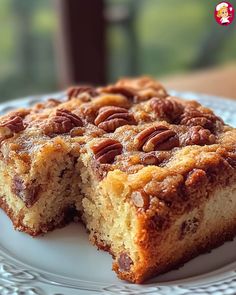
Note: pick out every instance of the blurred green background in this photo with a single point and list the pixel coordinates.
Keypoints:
(27, 59)
(156, 37)
(169, 36)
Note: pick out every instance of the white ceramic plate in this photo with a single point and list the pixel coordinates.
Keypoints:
(64, 262)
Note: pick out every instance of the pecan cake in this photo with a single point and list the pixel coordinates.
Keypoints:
(152, 177)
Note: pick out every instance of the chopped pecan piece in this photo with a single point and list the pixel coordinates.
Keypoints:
(77, 90)
(194, 117)
(62, 122)
(156, 138)
(231, 158)
(154, 157)
(28, 192)
(14, 123)
(106, 150)
(166, 108)
(199, 136)
(52, 102)
(195, 178)
(77, 131)
(140, 199)
(149, 159)
(88, 112)
(109, 118)
(124, 262)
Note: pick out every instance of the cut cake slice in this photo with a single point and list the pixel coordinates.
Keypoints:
(152, 177)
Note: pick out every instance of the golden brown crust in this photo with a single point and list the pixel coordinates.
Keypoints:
(214, 241)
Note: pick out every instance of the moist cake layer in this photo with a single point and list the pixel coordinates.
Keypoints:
(151, 176)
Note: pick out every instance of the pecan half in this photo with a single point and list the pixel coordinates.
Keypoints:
(144, 87)
(20, 112)
(149, 159)
(156, 138)
(106, 150)
(167, 108)
(62, 122)
(125, 91)
(109, 118)
(77, 90)
(100, 170)
(194, 117)
(14, 123)
(167, 190)
(196, 177)
(155, 157)
(69, 115)
(199, 136)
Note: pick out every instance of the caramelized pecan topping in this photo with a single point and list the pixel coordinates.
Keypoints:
(62, 122)
(69, 115)
(140, 199)
(125, 91)
(195, 177)
(106, 151)
(156, 138)
(199, 136)
(149, 159)
(77, 90)
(100, 170)
(194, 117)
(231, 158)
(52, 102)
(136, 89)
(154, 157)
(14, 123)
(124, 262)
(166, 108)
(143, 87)
(109, 118)
(21, 113)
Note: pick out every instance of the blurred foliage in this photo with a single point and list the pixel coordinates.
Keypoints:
(170, 37)
(156, 37)
(26, 48)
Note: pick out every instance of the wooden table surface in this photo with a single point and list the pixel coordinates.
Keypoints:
(219, 81)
